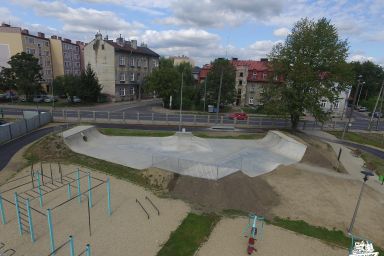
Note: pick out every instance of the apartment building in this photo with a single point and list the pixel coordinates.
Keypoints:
(14, 40)
(177, 60)
(66, 57)
(121, 66)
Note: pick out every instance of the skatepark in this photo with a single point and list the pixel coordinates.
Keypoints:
(189, 155)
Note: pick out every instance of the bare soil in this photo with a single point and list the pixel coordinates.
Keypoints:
(237, 191)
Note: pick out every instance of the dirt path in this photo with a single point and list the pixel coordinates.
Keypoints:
(127, 232)
(227, 240)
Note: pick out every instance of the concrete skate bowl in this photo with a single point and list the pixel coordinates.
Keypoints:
(186, 154)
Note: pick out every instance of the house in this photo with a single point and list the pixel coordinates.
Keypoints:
(120, 66)
(15, 40)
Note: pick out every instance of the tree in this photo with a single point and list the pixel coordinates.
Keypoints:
(225, 68)
(90, 88)
(165, 81)
(24, 74)
(68, 85)
(312, 65)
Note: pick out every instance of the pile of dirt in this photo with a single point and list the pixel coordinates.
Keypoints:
(237, 191)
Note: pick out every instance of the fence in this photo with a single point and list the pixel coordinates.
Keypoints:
(23, 126)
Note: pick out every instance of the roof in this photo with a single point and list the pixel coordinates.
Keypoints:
(127, 48)
(252, 64)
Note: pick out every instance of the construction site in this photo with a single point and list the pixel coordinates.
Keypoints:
(56, 207)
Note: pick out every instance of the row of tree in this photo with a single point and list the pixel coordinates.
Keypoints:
(24, 76)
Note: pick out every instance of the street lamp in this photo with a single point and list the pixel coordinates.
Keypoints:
(358, 99)
(181, 99)
(218, 99)
(366, 176)
(353, 106)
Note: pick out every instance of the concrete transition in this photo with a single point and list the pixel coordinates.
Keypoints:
(186, 154)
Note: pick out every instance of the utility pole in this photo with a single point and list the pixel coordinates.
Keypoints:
(353, 107)
(358, 99)
(205, 92)
(380, 111)
(374, 110)
(218, 99)
(181, 99)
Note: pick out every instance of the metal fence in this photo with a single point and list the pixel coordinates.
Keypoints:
(22, 126)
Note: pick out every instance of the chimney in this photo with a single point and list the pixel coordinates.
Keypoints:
(264, 59)
(25, 31)
(67, 40)
(54, 37)
(59, 38)
(99, 36)
(3, 24)
(120, 41)
(40, 34)
(134, 44)
(235, 59)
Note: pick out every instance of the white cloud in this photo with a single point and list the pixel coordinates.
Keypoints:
(361, 58)
(281, 32)
(215, 13)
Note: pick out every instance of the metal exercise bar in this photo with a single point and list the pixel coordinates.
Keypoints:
(154, 206)
(142, 207)
(6, 200)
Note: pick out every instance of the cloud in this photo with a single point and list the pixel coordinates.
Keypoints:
(215, 13)
(281, 32)
(361, 58)
(81, 20)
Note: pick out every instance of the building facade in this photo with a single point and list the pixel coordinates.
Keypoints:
(120, 66)
(66, 57)
(14, 40)
(177, 60)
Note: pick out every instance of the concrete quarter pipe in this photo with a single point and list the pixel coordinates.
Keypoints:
(186, 154)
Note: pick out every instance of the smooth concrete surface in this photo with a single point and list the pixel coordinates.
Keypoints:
(189, 155)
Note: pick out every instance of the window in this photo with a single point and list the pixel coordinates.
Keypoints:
(102, 47)
(254, 75)
(132, 62)
(252, 88)
(155, 63)
(250, 100)
(122, 91)
(31, 51)
(121, 61)
(336, 105)
(138, 63)
(48, 63)
(46, 53)
(241, 74)
(31, 40)
(132, 90)
(122, 77)
(77, 64)
(46, 44)
(264, 75)
(47, 72)
(145, 63)
(133, 77)
(240, 82)
(323, 103)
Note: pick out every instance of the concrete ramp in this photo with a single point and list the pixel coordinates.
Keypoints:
(186, 154)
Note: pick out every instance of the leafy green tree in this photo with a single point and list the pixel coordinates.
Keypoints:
(90, 88)
(225, 68)
(372, 75)
(68, 85)
(312, 64)
(24, 74)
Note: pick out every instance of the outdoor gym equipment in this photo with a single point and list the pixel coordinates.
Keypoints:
(253, 230)
(381, 179)
(142, 207)
(71, 243)
(154, 206)
(362, 247)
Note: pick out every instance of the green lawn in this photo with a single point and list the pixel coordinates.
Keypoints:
(187, 238)
(336, 237)
(373, 139)
(129, 132)
(377, 162)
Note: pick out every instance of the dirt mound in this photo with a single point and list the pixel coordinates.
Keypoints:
(237, 191)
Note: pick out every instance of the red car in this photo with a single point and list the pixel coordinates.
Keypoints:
(238, 116)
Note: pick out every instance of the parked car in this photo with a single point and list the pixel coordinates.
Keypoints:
(376, 114)
(362, 109)
(238, 116)
(50, 98)
(38, 98)
(76, 99)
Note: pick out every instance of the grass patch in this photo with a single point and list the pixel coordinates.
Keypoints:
(374, 161)
(233, 213)
(373, 139)
(250, 136)
(129, 132)
(193, 231)
(335, 237)
(52, 149)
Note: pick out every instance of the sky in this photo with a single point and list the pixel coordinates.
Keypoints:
(205, 29)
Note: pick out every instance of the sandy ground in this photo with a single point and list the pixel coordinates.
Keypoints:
(127, 232)
(328, 201)
(227, 239)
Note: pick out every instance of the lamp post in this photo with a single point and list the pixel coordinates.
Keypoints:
(366, 175)
(218, 99)
(181, 99)
(353, 106)
(358, 99)
(205, 92)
